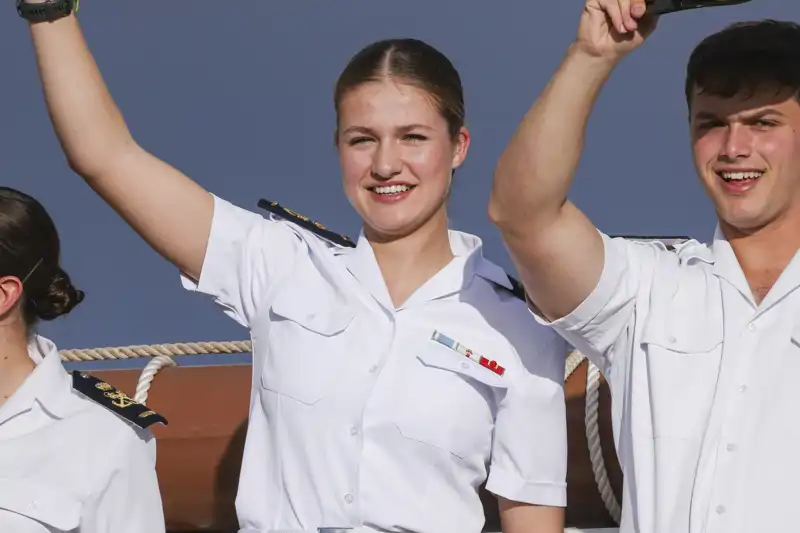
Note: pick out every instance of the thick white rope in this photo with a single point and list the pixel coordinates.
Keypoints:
(147, 375)
(573, 362)
(154, 350)
(161, 354)
(592, 400)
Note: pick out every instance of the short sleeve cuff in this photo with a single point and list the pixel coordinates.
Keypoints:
(514, 488)
(614, 265)
(228, 230)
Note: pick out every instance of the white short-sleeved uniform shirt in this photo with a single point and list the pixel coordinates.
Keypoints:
(358, 417)
(704, 386)
(68, 464)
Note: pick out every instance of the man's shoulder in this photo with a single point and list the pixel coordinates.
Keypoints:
(684, 250)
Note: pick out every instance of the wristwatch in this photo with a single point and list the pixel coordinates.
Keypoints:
(46, 11)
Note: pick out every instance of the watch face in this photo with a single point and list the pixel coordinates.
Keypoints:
(661, 7)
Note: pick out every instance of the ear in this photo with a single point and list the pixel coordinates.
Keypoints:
(10, 293)
(461, 147)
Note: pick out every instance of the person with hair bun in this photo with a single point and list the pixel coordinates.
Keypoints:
(392, 376)
(75, 454)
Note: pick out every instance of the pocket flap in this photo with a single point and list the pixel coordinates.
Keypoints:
(40, 502)
(313, 304)
(682, 334)
(445, 353)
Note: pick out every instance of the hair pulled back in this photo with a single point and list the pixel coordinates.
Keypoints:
(30, 250)
(413, 62)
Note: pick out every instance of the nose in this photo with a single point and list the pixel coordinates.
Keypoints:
(737, 143)
(386, 162)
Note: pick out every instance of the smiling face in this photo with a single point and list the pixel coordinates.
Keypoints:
(397, 156)
(747, 154)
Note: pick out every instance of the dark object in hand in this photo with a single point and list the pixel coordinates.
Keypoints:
(662, 7)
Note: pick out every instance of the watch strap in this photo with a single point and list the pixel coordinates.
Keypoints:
(46, 11)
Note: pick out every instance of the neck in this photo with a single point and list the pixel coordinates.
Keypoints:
(15, 363)
(764, 254)
(407, 262)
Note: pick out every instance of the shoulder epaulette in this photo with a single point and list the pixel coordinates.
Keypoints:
(304, 222)
(114, 400)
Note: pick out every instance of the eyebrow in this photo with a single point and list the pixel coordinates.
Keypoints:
(401, 129)
(704, 115)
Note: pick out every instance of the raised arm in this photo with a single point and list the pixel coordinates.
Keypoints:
(170, 211)
(557, 250)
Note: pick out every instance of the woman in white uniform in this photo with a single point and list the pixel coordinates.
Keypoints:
(392, 376)
(74, 452)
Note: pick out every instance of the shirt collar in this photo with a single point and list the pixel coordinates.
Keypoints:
(467, 263)
(49, 383)
(470, 247)
(727, 267)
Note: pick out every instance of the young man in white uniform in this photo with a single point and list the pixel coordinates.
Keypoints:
(701, 346)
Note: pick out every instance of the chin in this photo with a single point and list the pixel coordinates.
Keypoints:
(386, 230)
(745, 220)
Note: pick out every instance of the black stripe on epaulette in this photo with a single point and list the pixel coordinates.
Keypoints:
(517, 289)
(305, 222)
(115, 401)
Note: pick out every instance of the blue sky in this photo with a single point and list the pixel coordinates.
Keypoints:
(239, 98)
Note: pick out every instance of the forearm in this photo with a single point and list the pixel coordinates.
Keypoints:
(170, 211)
(88, 123)
(535, 172)
(518, 517)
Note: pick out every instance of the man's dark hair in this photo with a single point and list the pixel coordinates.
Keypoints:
(746, 57)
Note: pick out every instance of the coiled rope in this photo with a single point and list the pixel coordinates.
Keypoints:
(162, 356)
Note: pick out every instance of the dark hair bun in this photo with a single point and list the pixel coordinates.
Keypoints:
(59, 299)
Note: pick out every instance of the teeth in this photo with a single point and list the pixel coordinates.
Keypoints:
(392, 189)
(729, 176)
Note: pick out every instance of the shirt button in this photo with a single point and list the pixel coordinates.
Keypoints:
(742, 388)
(353, 430)
(731, 447)
(373, 369)
(672, 339)
(751, 326)
(33, 504)
(348, 498)
(464, 366)
(720, 509)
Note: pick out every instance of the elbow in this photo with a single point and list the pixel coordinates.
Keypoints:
(498, 209)
(98, 161)
(494, 209)
(498, 212)
(507, 208)
(88, 168)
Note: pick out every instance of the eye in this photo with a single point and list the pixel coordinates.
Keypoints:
(765, 124)
(358, 140)
(414, 137)
(706, 125)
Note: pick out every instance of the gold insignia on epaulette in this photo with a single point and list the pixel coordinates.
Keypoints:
(115, 400)
(305, 222)
(120, 399)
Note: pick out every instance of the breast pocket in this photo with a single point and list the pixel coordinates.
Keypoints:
(308, 342)
(451, 402)
(683, 360)
(27, 507)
